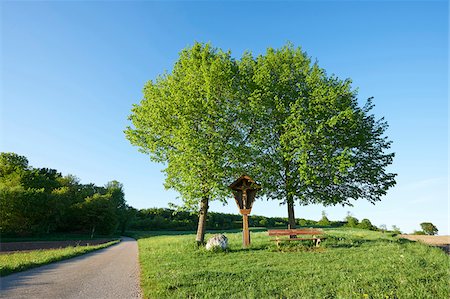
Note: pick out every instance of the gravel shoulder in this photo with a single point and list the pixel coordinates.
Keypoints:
(112, 272)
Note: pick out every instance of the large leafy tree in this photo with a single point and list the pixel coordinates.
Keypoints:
(312, 142)
(98, 213)
(189, 120)
(429, 228)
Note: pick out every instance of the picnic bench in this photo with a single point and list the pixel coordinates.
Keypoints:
(284, 235)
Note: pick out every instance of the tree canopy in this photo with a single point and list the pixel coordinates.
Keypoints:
(277, 117)
(41, 200)
(311, 141)
(189, 120)
(429, 228)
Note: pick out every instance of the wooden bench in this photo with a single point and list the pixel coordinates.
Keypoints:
(281, 234)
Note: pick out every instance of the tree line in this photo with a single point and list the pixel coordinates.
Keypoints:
(170, 219)
(42, 200)
(278, 117)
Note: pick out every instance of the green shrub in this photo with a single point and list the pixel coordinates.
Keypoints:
(366, 224)
(419, 232)
(351, 221)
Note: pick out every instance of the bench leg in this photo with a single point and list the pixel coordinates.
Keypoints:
(317, 242)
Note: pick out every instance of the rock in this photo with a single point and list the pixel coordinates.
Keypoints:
(217, 241)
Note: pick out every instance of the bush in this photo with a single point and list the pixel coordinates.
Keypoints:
(306, 223)
(366, 224)
(419, 232)
(351, 221)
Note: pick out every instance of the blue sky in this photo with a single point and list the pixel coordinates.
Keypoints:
(70, 72)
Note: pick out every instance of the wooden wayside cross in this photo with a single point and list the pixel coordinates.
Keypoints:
(244, 191)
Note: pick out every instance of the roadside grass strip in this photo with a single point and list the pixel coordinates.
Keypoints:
(350, 263)
(20, 261)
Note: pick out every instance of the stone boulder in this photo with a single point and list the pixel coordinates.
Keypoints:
(217, 241)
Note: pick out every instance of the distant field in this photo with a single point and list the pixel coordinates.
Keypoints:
(56, 237)
(434, 240)
(351, 263)
(19, 261)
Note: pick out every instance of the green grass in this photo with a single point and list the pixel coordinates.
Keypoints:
(351, 263)
(57, 237)
(19, 261)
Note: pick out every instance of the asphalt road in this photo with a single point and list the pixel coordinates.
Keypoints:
(112, 272)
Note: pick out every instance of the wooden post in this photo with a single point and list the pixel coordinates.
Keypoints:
(245, 231)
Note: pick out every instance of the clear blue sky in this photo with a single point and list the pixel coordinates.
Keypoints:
(70, 72)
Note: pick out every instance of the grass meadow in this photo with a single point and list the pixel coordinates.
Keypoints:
(57, 237)
(19, 261)
(351, 263)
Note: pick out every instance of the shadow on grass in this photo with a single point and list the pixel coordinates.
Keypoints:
(342, 242)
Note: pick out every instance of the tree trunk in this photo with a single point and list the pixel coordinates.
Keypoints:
(291, 216)
(92, 231)
(289, 198)
(202, 221)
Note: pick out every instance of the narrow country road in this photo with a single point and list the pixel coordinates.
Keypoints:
(112, 272)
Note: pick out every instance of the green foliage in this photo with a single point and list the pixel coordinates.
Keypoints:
(12, 163)
(419, 232)
(366, 224)
(311, 141)
(41, 200)
(429, 228)
(351, 221)
(189, 120)
(278, 117)
(169, 219)
(324, 221)
(98, 213)
(306, 223)
(358, 264)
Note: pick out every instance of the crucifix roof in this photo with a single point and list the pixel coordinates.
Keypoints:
(244, 182)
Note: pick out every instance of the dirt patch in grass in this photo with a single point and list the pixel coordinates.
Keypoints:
(25, 246)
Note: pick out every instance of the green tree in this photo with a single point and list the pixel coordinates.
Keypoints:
(324, 221)
(26, 200)
(366, 224)
(190, 121)
(429, 228)
(38, 200)
(311, 140)
(124, 212)
(11, 163)
(97, 213)
(351, 221)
